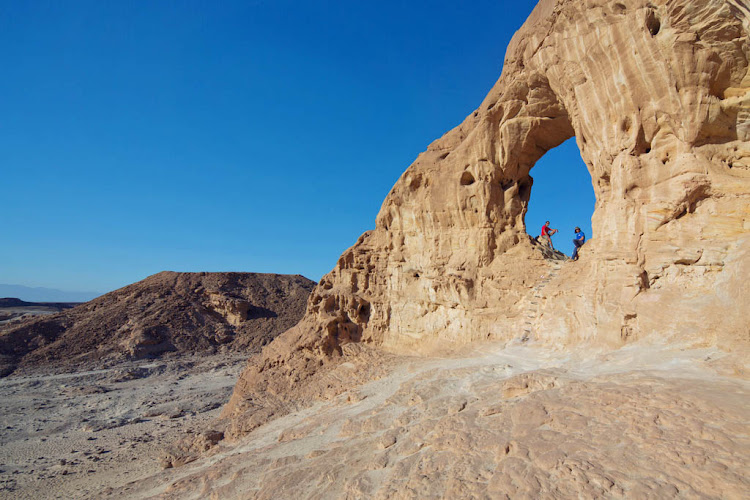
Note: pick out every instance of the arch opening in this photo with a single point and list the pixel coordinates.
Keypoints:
(563, 194)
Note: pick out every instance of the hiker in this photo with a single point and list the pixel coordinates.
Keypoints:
(547, 232)
(578, 242)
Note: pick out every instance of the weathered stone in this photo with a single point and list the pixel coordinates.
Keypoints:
(656, 95)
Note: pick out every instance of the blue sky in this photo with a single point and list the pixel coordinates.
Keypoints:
(256, 136)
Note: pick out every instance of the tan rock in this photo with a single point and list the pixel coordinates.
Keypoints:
(656, 94)
(190, 448)
(234, 310)
(641, 422)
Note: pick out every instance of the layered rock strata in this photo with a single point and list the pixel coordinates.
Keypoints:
(656, 94)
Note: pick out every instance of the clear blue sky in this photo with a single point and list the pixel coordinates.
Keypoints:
(262, 136)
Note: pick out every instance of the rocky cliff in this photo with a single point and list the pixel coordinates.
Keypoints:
(167, 312)
(656, 95)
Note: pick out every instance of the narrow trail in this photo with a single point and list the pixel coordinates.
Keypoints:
(534, 309)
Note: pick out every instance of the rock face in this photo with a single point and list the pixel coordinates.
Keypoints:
(181, 312)
(656, 94)
(496, 426)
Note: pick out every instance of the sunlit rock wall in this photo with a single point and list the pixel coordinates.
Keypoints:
(656, 94)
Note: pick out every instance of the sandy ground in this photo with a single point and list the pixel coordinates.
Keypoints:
(493, 421)
(71, 435)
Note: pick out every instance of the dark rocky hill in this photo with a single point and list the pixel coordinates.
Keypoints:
(6, 302)
(166, 313)
(13, 302)
(16, 310)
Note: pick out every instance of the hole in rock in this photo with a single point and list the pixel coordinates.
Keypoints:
(604, 183)
(653, 24)
(363, 312)
(642, 145)
(467, 179)
(524, 188)
(563, 194)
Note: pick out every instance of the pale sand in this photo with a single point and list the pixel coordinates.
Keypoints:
(527, 422)
(71, 435)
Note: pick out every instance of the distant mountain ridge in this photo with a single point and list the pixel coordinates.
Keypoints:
(42, 294)
(16, 302)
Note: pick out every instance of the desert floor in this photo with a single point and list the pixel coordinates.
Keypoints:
(71, 435)
(525, 421)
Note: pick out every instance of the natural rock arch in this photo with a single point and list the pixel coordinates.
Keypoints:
(562, 192)
(656, 94)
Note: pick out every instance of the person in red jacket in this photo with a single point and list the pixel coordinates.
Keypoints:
(547, 233)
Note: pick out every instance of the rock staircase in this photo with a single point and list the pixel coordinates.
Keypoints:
(534, 309)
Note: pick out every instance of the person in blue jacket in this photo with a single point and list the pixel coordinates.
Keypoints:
(578, 242)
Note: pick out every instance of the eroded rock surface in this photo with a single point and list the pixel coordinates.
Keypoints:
(656, 94)
(521, 422)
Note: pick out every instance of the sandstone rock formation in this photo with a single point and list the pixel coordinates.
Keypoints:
(498, 424)
(656, 94)
(167, 312)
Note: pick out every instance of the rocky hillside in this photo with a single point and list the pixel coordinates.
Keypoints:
(167, 312)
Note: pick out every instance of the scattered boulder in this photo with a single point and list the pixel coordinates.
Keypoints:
(190, 448)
